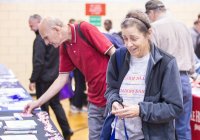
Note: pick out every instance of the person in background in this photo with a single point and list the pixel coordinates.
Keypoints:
(148, 78)
(92, 62)
(79, 98)
(112, 31)
(173, 36)
(197, 66)
(45, 71)
(196, 37)
(72, 21)
(195, 32)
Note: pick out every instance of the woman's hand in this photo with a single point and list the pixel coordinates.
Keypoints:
(116, 106)
(130, 111)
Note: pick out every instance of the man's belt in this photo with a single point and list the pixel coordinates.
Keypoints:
(183, 72)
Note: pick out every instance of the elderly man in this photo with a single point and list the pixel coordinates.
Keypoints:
(91, 61)
(45, 71)
(174, 37)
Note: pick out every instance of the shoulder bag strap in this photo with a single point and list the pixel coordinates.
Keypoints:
(82, 35)
(119, 56)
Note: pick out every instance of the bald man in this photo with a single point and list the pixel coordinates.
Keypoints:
(45, 71)
(91, 61)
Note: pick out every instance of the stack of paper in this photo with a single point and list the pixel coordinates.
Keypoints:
(7, 118)
(3, 70)
(6, 74)
(12, 94)
(20, 125)
(19, 137)
(21, 132)
(8, 80)
(16, 105)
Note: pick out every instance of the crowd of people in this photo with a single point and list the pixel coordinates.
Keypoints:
(150, 89)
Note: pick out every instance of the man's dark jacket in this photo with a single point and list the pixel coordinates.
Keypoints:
(45, 61)
(163, 93)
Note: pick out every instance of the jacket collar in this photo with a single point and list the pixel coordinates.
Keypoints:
(37, 32)
(154, 57)
(155, 54)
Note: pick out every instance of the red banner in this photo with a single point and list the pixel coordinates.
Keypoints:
(195, 118)
(95, 9)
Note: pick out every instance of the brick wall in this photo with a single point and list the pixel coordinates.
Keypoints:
(16, 38)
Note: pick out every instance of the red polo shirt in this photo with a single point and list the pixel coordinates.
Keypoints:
(91, 62)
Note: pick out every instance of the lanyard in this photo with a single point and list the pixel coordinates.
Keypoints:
(113, 134)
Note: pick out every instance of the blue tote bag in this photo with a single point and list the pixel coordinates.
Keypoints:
(106, 129)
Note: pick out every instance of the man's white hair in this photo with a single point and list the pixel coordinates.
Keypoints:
(52, 22)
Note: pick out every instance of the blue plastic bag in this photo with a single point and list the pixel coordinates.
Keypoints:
(106, 129)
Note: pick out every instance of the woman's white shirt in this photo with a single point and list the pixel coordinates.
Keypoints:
(132, 92)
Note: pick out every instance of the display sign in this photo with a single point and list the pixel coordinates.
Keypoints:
(95, 9)
(195, 116)
(95, 20)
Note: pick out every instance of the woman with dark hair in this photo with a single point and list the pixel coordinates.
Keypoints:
(146, 91)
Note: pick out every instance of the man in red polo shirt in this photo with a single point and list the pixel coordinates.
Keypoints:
(92, 62)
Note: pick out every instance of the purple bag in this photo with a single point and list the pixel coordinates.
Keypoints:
(66, 91)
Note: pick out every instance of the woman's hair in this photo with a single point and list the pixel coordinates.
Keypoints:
(138, 19)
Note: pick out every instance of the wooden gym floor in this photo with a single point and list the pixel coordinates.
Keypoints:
(77, 121)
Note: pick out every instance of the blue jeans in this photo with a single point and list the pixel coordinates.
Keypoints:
(182, 124)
